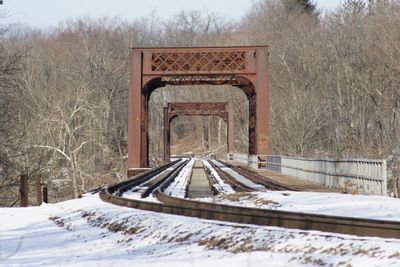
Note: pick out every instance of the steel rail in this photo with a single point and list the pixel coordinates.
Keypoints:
(259, 179)
(212, 181)
(229, 213)
(169, 177)
(139, 179)
(234, 183)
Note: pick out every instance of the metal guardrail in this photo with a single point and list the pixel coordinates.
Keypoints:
(366, 176)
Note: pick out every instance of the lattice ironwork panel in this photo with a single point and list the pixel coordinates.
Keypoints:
(199, 61)
(198, 79)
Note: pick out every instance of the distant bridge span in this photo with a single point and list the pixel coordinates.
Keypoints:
(175, 109)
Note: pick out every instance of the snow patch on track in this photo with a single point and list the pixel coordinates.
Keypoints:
(220, 186)
(239, 177)
(178, 188)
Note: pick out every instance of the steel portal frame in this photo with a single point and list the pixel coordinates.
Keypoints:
(175, 109)
(245, 67)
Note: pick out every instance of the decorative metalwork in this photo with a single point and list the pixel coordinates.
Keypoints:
(198, 61)
(201, 79)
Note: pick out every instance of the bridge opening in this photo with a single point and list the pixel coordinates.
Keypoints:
(199, 136)
(191, 126)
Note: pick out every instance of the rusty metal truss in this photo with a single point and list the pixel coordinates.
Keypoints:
(242, 66)
(198, 61)
(198, 79)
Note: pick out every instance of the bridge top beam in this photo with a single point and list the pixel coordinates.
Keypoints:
(199, 61)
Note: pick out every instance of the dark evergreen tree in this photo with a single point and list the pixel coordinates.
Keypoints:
(300, 5)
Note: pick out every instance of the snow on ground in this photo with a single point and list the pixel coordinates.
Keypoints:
(371, 207)
(220, 186)
(89, 232)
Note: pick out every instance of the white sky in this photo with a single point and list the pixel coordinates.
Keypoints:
(47, 13)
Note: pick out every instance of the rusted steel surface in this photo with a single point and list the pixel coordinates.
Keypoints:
(198, 108)
(297, 220)
(136, 171)
(175, 109)
(185, 61)
(245, 67)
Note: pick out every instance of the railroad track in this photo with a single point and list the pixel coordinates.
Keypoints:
(259, 179)
(148, 181)
(234, 183)
(221, 212)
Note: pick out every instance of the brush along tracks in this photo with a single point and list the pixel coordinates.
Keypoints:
(297, 220)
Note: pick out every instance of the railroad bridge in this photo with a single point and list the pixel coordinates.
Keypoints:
(245, 67)
(182, 186)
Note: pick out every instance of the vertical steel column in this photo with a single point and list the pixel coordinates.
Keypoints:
(144, 127)
(135, 112)
(167, 140)
(252, 124)
(230, 128)
(262, 103)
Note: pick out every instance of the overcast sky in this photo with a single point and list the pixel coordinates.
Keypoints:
(47, 13)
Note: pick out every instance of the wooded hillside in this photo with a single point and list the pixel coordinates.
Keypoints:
(335, 89)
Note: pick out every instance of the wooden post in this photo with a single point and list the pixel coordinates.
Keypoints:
(38, 191)
(23, 190)
(45, 194)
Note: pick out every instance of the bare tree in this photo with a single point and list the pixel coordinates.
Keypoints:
(334, 90)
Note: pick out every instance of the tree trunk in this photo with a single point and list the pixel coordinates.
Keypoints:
(39, 199)
(23, 189)
(75, 191)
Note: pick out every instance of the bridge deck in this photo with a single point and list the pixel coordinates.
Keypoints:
(199, 186)
(297, 182)
(303, 185)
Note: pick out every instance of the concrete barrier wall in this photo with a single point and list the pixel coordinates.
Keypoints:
(242, 158)
(250, 160)
(354, 175)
